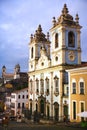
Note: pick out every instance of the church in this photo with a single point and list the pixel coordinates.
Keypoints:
(48, 61)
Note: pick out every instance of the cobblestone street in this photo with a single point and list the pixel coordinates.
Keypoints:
(35, 126)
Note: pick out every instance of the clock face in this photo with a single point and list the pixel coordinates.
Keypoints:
(71, 55)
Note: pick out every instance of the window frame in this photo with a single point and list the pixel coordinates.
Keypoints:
(71, 39)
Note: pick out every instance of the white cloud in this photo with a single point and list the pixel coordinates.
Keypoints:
(6, 26)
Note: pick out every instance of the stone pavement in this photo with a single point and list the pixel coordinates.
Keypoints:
(29, 125)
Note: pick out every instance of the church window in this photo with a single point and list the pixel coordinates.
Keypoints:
(42, 63)
(66, 90)
(56, 40)
(56, 58)
(31, 85)
(37, 85)
(56, 83)
(32, 52)
(47, 85)
(42, 86)
(71, 39)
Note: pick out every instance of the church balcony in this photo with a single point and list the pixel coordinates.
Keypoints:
(56, 93)
(37, 91)
(47, 92)
(41, 92)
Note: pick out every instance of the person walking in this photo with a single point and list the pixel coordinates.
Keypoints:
(5, 123)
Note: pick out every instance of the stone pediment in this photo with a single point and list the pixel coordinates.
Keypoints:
(43, 62)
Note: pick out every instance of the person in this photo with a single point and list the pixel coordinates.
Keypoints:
(5, 123)
(64, 118)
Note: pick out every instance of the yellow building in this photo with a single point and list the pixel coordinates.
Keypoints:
(77, 92)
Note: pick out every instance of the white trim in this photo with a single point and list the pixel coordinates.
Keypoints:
(77, 69)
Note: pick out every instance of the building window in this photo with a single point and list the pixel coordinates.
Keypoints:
(26, 96)
(31, 82)
(74, 110)
(56, 58)
(74, 88)
(19, 96)
(23, 96)
(42, 86)
(56, 40)
(22, 105)
(37, 86)
(71, 39)
(47, 85)
(82, 106)
(66, 90)
(13, 105)
(18, 105)
(82, 109)
(12, 96)
(32, 52)
(56, 84)
(81, 87)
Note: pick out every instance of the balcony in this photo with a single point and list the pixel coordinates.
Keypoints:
(56, 93)
(37, 91)
(47, 92)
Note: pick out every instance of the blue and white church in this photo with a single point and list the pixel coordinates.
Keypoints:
(48, 61)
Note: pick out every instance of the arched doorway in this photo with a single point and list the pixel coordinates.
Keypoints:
(56, 111)
(42, 107)
(48, 114)
(65, 111)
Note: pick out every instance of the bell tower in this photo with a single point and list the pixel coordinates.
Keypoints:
(37, 41)
(65, 35)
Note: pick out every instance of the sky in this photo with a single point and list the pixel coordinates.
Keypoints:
(20, 18)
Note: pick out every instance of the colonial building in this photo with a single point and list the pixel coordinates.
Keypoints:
(48, 61)
(77, 92)
(19, 101)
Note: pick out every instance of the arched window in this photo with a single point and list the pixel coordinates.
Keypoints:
(81, 87)
(74, 87)
(56, 83)
(56, 40)
(30, 86)
(71, 39)
(47, 85)
(42, 86)
(37, 85)
(32, 52)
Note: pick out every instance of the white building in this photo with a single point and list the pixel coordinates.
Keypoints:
(19, 100)
(48, 61)
(8, 102)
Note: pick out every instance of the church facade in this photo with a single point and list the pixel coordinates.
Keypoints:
(48, 61)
